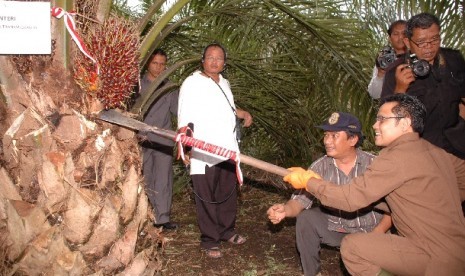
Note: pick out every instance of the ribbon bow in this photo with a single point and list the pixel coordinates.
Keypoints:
(71, 27)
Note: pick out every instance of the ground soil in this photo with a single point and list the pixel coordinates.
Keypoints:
(269, 250)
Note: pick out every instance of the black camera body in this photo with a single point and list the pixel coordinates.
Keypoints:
(420, 67)
(386, 57)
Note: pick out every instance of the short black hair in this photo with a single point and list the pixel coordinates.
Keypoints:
(214, 44)
(160, 52)
(409, 107)
(395, 24)
(423, 21)
(360, 136)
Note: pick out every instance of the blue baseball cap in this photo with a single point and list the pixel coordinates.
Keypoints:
(340, 121)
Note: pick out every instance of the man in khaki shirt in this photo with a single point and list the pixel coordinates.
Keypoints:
(317, 224)
(423, 187)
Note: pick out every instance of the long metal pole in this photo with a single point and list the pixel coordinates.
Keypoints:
(115, 117)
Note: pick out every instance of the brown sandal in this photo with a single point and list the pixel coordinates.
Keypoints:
(237, 239)
(214, 252)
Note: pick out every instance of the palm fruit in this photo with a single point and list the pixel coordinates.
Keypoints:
(115, 47)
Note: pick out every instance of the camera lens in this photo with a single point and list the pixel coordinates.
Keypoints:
(386, 57)
(421, 68)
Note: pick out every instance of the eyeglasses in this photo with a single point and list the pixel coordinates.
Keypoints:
(211, 59)
(423, 44)
(381, 119)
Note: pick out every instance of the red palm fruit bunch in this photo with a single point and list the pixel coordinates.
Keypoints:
(115, 47)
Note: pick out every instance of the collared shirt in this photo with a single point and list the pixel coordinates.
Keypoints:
(202, 103)
(423, 186)
(160, 112)
(363, 220)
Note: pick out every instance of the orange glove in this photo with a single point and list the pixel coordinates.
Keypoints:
(299, 177)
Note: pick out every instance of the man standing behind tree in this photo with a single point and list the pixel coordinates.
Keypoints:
(158, 151)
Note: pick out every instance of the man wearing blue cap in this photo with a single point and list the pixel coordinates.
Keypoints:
(422, 186)
(324, 225)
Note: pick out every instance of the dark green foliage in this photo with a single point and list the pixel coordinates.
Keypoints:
(292, 63)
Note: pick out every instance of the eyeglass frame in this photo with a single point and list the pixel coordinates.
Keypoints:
(381, 119)
(432, 42)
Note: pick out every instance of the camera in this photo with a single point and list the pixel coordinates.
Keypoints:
(420, 67)
(386, 57)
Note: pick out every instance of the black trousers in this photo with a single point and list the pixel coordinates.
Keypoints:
(216, 203)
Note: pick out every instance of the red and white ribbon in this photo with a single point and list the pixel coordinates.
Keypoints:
(71, 27)
(182, 139)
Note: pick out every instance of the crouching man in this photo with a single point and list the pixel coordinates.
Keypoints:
(324, 225)
(423, 186)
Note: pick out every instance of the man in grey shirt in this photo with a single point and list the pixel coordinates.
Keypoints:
(158, 151)
(323, 225)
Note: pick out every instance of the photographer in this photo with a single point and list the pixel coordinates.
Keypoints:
(384, 61)
(441, 89)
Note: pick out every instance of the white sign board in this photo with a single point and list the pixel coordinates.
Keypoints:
(25, 27)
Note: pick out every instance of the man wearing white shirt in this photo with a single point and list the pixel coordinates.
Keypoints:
(206, 101)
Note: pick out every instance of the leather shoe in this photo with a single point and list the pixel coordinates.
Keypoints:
(167, 225)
